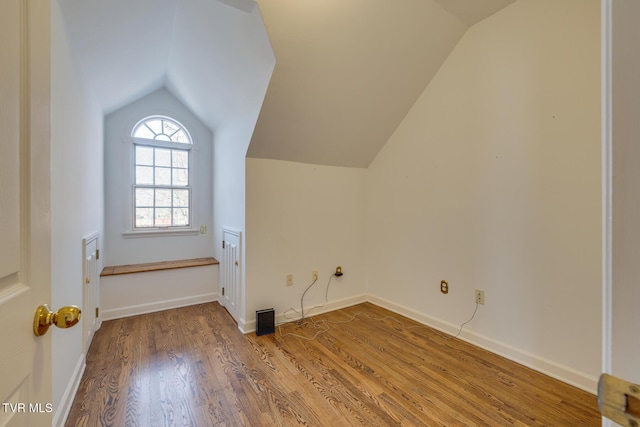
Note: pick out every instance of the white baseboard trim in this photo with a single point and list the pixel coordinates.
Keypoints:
(134, 310)
(555, 370)
(250, 326)
(242, 326)
(62, 411)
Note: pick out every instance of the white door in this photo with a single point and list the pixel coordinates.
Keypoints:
(25, 229)
(91, 292)
(230, 270)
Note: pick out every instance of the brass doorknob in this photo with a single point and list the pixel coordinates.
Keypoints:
(66, 317)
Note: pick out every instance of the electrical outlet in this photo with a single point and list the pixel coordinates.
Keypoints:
(444, 286)
(289, 279)
(480, 296)
(314, 275)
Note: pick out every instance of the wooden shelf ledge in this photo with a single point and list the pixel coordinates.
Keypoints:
(155, 266)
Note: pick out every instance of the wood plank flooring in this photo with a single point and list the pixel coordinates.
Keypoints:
(366, 367)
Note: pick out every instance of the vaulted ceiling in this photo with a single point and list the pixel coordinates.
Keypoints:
(346, 73)
(204, 51)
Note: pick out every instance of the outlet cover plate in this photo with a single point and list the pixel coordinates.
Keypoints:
(444, 286)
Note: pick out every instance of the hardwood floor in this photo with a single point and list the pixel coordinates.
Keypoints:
(192, 367)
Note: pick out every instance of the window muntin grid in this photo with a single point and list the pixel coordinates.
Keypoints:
(160, 128)
(162, 191)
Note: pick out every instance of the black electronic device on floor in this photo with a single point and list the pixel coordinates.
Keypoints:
(265, 321)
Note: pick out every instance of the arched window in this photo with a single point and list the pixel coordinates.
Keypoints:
(161, 129)
(161, 162)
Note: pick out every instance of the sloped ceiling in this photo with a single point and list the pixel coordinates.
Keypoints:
(472, 11)
(346, 74)
(348, 71)
(206, 52)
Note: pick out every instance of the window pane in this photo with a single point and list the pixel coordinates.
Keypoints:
(163, 176)
(144, 175)
(144, 217)
(181, 198)
(155, 125)
(181, 216)
(144, 155)
(143, 132)
(180, 177)
(163, 157)
(180, 159)
(163, 198)
(181, 136)
(163, 217)
(170, 128)
(144, 197)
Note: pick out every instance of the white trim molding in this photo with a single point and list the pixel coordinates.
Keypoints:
(134, 310)
(250, 326)
(607, 184)
(161, 233)
(62, 411)
(606, 46)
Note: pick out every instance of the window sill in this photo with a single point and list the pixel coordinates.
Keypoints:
(159, 233)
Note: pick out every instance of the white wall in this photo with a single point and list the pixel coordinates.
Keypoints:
(230, 145)
(625, 349)
(125, 295)
(76, 201)
(303, 217)
(492, 181)
(118, 125)
(231, 140)
(232, 137)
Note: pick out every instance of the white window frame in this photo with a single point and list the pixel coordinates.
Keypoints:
(190, 147)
